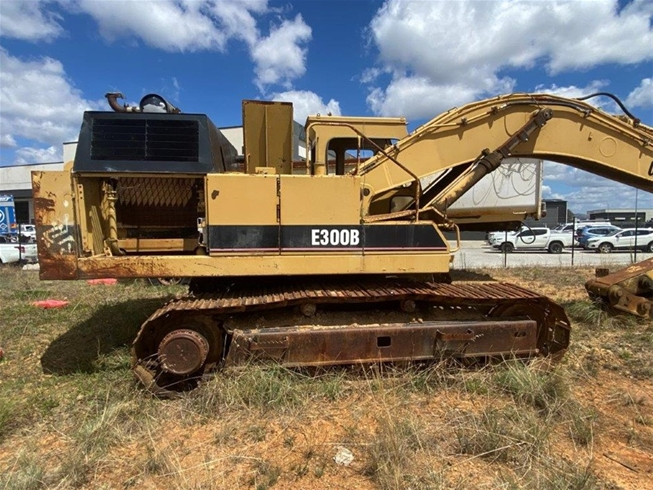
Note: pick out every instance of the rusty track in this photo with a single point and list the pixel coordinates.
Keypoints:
(239, 299)
(510, 320)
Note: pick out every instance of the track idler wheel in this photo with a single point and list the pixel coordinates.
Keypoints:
(183, 352)
(171, 354)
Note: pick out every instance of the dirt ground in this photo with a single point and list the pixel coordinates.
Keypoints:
(72, 416)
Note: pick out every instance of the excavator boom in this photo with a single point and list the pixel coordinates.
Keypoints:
(462, 145)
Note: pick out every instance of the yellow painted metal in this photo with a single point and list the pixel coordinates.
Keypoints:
(324, 200)
(56, 230)
(241, 199)
(267, 134)
(457, 247)
(54, 198)
(578, 134)
(149, 245)
(90, 216)
(258, 265)
(321, 131)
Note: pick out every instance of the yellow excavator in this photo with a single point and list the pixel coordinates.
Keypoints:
(302, 262)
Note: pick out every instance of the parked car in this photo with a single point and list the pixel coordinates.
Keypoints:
(558, 241)
(526, 238)
(25, 236)
(568, 227)
(28, 232)
(11, 252)
(623, 240)
(494, 235)
(532, 239)
(594, 231)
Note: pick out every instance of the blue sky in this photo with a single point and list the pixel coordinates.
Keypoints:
(358, 57)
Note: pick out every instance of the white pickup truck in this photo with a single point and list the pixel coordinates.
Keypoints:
(531, 239)
(11, 252)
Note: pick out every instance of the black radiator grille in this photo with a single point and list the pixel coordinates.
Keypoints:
(164, 140)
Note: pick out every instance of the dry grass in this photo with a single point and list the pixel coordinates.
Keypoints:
(71, 415)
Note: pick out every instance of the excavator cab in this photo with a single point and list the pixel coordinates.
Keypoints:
(338, 145)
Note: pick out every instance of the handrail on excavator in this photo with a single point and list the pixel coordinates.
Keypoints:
(360, 134)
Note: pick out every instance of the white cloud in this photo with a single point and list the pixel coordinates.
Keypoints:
(572, 91)
(39, 103)
(306, 103)
(616, 196)
(177, 26)
(236, 19)
(642, 96)
(370, 75)
(168, 25)
(466, 44)
(7, 141)
(39, 155)
(585, 191)
(586, 34)
(547, 193)
(29, 20)
(418, 98)
(280, 56)
(208, 25)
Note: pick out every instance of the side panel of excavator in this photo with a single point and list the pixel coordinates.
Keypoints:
(154, 195)
(154, 232)
(56, 225)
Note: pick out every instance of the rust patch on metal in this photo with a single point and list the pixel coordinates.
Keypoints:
(183, 351)
(518, 322)
(237, 298)
(59, 267)
(42, 208)
(55, 225)
(93, 268)
(466, 336)
(628, 290)
(346, 344)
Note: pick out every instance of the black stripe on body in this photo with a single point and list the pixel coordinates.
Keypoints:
(308, 238)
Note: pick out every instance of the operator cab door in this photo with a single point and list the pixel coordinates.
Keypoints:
(532, 238)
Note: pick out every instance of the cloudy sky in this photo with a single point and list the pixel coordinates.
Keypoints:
(356, 57)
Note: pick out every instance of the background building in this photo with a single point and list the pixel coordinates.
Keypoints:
(17, 181)
(625, 218)
(557, 213)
